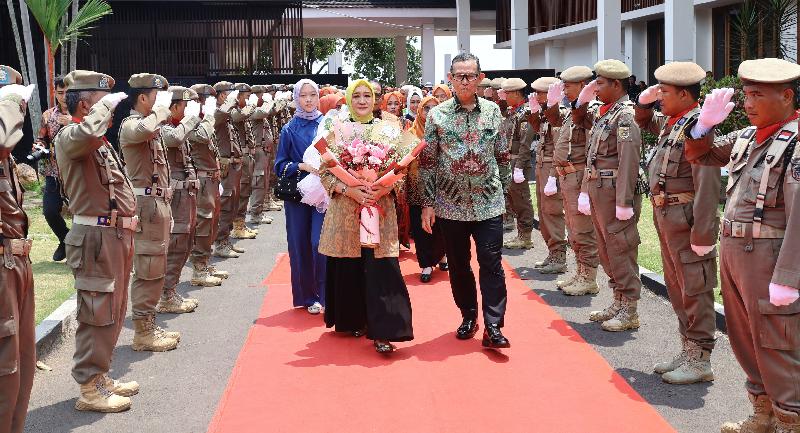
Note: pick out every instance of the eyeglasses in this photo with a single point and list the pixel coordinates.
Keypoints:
(469, 77)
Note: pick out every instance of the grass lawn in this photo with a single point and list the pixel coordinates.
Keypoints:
(53, 282)
(650, 249)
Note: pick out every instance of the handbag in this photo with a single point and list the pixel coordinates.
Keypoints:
(286, 188)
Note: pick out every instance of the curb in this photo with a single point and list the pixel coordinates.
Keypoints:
(54, 327)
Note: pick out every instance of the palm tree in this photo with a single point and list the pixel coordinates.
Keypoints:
(50, 14)
(29, 74)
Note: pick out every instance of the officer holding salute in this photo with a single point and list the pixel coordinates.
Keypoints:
(760, 236)
(685, 199)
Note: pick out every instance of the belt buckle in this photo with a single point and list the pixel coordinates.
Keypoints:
(737, 229)
(104, 221)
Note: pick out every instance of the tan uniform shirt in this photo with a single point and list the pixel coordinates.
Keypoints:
(239, 118)
(548, 134)
(178, 153)
(571, 145)
(88, 164)
(520, 135)
(260, 134)
(203, 146)
(145, 159)
(225, 136)
(615, 143)
(13, 221)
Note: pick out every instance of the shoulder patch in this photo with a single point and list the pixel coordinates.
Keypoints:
(785, 136)
(624, 132)
(747, 133)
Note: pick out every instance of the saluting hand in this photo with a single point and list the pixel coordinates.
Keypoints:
(252, 100)
(163, 99)
(555, 93)
(192, 109)
(649, 95)
(113, 99)
(716, 108)
(209, 107)
(587, 93)
(23, 92)
(534, 105)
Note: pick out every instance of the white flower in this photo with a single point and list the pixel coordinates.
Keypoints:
(390, 132)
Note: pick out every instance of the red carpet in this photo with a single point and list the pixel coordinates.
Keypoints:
(293, 375)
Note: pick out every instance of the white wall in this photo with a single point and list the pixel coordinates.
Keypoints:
(577, 50)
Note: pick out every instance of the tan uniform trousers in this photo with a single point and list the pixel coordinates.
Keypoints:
(690, 278)
(208, 211)
(519, 200)
(101, 259)
(245, 186)
(229, 201)
(764, 338)
(582, 237)
(272, 178)
(150, 255)
(617, 241)
(181, 237)
(17, 343)
(551, 214)
(259, 184)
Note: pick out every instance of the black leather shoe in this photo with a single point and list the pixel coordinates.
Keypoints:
(444, 266)
(60, 253)
(467, 330)
(359, 333)
(425, 278)
(493, 337)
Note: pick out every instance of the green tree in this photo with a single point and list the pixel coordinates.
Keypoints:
(766, 28)
(374, 59)
(317, 50)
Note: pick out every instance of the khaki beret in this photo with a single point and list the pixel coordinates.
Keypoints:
(769, 70)
(542, 84)
(88, 80)
(204, 89)
(513, 84)
(613, 69)
(148, 81)
(485, 83)
(271, 88)
(258, 88)
(242, 87)
(9, 75)
(497, 83)
(680, 74)
(223, 86)
(576, 74)
(180, 93)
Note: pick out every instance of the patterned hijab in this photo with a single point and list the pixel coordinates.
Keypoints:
(349, 98)
(299, 112)
(419, 121)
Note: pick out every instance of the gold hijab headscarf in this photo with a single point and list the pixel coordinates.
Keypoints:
(349, 98)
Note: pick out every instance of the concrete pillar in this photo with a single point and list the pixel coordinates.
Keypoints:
(400, 60)
(636, 48)
(554, 55)
(704, 43)
(609, 29)
(335, 61)
(520, 53)
(448, 60)
(428, 54)
(463, 28)
(679, 31)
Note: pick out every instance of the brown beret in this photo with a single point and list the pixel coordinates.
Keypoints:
(242, 87)
(680, 74)
(769, 71)
(204, 89)
(9, 75)
(576, 74)
(79, 80)
(258, 88)
(542, 84)
(613, 69)
(513, 84)
(180, 93)
(223, 86)
(148, 81)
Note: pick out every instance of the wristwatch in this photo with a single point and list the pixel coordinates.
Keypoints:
(344, 189)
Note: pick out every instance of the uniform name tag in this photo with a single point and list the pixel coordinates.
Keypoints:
(785, 136)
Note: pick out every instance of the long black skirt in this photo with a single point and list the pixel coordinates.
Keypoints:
(366, 292)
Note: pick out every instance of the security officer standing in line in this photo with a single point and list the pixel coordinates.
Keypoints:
(240, 116)
(17, 311)
(99, 246)
(147, 167)
(610, 192)
(760, 236)
(685, 199)
(549, 201)
(483, 86)
(230, 162)
(184, 118)
(262, 140)
(569, 161)
(205, 158)
(270, 204)
(520, 135)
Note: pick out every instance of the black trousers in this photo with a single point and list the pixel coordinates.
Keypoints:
(52, 201)
(488, 237)
(429, 247)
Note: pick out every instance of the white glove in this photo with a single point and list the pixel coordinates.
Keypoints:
(702, 250)
(230, 100)
(587, 93)
(534, 104)
(266, 97)
(192, 109)
(519, 176)
(782, 295)
(23, 92)
(487, 93)
(210, 107)
(584, 206)
(624, 213)
(163, 99)
(551, 188)
(555, 93)
(501, 95)
(113, 99)
(716, 108)
(649, 95)
(252, 99)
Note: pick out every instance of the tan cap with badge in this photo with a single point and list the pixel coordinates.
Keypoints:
(9, 75)
(613, 69)
(224, 86)
(542, 84)
(81, 80)
(180, 93)
(204, 90)
(485, 83)
(513, 84)
(148, 81)
(576, 74)
(242, 87)
(497, 83)
(769, 71)
(681, 74)
(258, 88)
